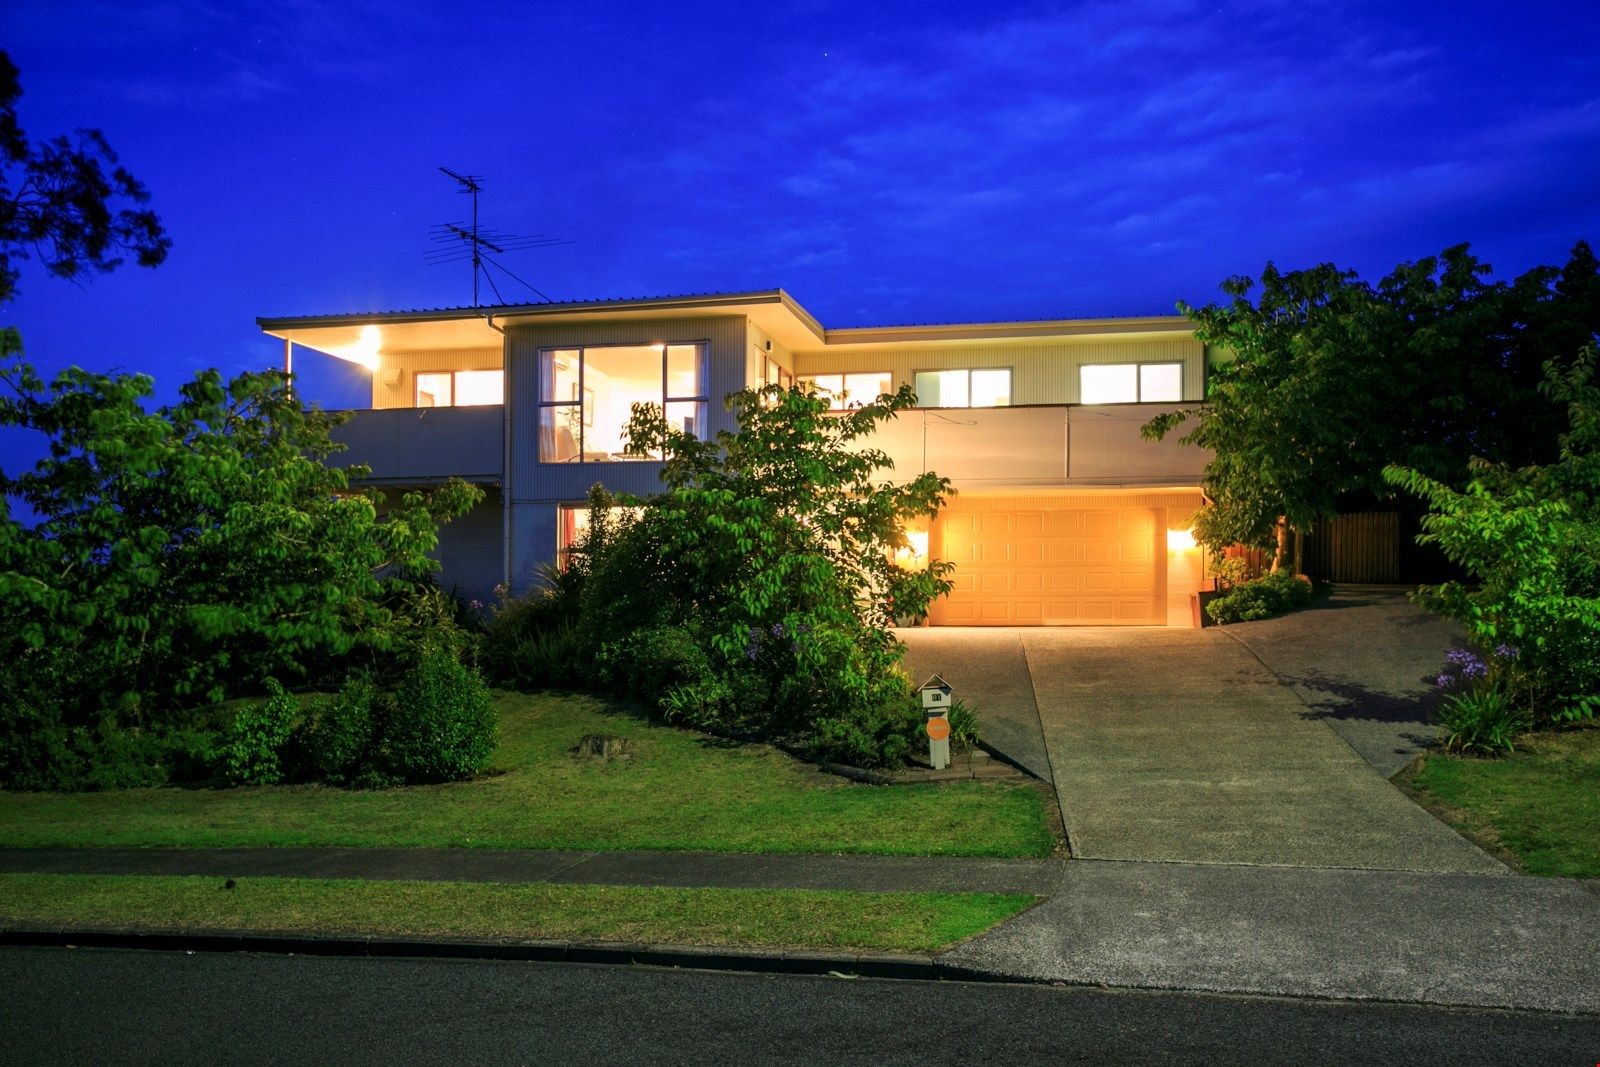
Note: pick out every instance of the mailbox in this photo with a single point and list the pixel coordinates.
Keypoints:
(935, 694)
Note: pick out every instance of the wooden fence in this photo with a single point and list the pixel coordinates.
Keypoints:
(1363, 547)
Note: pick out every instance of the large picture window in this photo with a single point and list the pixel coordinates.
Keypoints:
(586, 396)
(852, 390)
(459, 388)
(1130, 383)
(989, 388)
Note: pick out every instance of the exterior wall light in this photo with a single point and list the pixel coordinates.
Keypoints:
(1181, 541)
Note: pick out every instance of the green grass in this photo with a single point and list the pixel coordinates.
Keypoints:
(900, 922)
(1540, 805)
(679, 791)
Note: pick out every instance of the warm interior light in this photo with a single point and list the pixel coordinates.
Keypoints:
(1180, 541)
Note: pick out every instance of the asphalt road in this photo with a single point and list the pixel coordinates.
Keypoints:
(90, 1005)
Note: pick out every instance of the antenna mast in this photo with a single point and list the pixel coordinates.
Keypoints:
(475, 244)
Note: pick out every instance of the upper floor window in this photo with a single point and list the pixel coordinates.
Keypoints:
(459, 388)
(776, 375)
(852, 390)
(586, 396)
(1130, 383)
(964, 388)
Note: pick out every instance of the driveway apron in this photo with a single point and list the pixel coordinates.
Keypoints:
(1180, 746)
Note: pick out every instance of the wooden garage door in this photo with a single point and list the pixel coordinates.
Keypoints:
(1027, 567)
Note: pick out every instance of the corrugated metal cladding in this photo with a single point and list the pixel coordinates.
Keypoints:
(1040, 374)
(401, 394)
(530, 480)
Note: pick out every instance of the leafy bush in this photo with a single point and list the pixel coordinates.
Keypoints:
(255, 740)
(342, 742)
(752, 596)
(443, 726)
(1269, 595)
(1530, 541)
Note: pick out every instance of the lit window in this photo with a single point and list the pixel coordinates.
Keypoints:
(1130, 383)
(572, 523)
(964, 388)
(852, 390)
(461, 388)
(587, 395)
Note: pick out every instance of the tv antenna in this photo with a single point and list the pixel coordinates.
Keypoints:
(458, 243)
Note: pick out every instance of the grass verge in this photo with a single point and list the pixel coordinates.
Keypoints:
(679, 791)
(1540, 807)
(764, 918)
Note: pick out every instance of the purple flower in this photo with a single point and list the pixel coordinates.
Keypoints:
(1475, 669)
(1505, 652)
(794, 646)
(803, 628)
(1445, 681)
(1460, 657)
(777, 629)
(751, 652)
(755, 631)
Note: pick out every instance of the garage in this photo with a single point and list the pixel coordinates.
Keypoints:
(1098, 560)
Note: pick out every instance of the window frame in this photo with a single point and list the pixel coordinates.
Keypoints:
(702, 373)
(1138, 381)
(1011, 377)
(452, 375)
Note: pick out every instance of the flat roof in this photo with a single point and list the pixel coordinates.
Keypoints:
(359, 336)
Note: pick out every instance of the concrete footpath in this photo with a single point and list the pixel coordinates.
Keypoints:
(1465, 940)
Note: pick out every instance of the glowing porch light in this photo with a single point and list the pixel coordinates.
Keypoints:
(1181, 541)
(915, 554)
(365, 350)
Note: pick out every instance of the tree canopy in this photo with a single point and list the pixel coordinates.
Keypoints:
(1326, 379)
(67, 202)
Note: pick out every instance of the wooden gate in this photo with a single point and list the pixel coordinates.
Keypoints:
(1363, 547)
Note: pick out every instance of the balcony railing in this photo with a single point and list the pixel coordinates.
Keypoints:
(1058, 444)
(423, 445)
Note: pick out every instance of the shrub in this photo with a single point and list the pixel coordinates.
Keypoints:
(255, 740)
(963, 723)
(341, 745)
(1269, 595)
(1482, 720)
(648, 664)
(443, 726)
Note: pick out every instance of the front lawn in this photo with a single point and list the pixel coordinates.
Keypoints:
(1541, 805)
(896, 922)
(679, 791)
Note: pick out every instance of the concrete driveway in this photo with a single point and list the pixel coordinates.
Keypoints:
(1185, 746)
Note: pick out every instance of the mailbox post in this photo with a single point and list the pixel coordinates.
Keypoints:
(935, 693)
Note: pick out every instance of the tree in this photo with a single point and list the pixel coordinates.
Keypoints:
(752, 595)
(1529, 539)
(67, 201)
(184, 555)
(1332, 378)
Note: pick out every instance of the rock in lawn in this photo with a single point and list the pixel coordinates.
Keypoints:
(604, 746)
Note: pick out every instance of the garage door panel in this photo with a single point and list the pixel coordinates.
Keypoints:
(1054, 567)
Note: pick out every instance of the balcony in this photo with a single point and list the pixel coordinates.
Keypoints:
(419, 446)
(1059, 445)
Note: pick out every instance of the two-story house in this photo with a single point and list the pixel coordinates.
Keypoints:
(1064, 515)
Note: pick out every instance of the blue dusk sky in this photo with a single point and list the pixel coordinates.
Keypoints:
(884, 162)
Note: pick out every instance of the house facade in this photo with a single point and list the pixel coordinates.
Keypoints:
(1063, 514)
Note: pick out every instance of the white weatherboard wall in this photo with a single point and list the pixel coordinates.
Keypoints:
(1040, 374)
(402, 394)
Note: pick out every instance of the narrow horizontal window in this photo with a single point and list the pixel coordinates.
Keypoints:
(1130, 383)
(851, 390)
(964, 388)
(459, 388)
